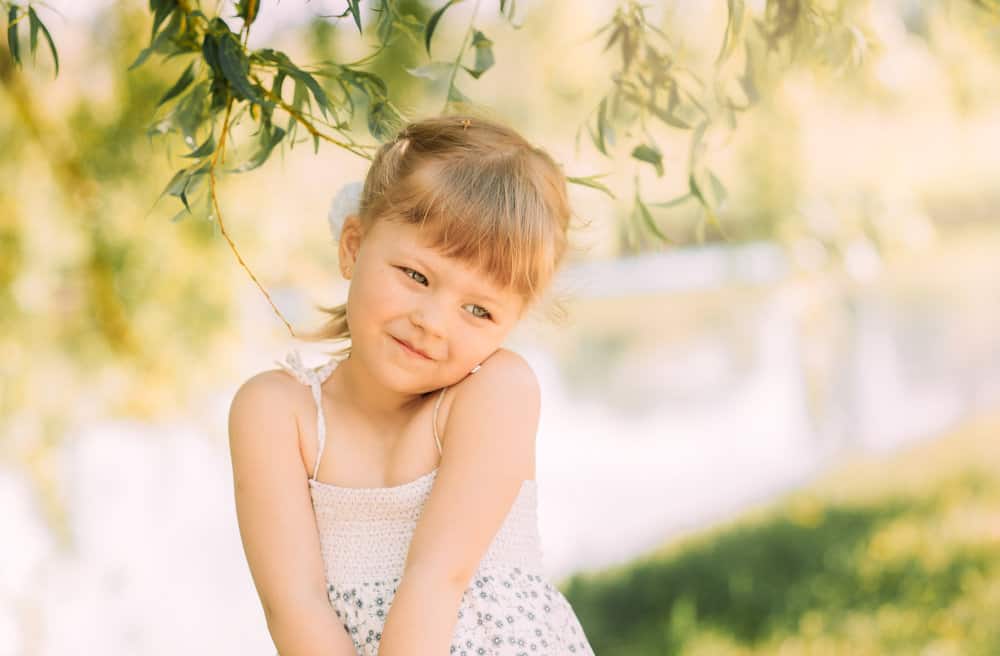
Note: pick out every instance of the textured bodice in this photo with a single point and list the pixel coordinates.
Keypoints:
(365, 533)
(508, 608)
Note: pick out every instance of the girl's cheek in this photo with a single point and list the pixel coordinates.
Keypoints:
(386, 291)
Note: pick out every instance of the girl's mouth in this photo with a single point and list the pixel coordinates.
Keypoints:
(410, 350)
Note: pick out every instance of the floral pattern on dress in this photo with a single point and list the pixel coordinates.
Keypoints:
(503, 612)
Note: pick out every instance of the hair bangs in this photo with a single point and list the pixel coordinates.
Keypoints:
(489, 216)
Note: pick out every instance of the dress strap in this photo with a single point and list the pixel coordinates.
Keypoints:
(313, 377)
(434, 416)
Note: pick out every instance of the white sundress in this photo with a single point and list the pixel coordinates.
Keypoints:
(509, 607)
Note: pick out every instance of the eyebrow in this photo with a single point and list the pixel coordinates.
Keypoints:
(478, 295)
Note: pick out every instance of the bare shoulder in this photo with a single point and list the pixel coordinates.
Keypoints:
(503, 369)
(504, 377)
(264, 416)
(503, 393)
(267, 397)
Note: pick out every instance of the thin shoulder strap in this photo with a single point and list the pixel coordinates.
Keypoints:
(313, 377)
(434, 416)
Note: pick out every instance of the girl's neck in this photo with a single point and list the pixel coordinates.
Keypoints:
(384, 407)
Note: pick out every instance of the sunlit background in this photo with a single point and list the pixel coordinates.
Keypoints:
(784, 441)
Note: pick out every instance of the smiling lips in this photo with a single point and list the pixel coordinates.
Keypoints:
(406, 345)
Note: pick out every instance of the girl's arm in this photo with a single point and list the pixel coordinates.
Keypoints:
(276, 521)
(489, 451)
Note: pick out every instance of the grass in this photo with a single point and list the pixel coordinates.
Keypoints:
(894, 555)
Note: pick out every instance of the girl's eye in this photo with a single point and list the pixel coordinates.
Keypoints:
(485, 314)
(408, 271)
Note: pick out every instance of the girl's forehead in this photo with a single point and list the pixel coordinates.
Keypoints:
(395, 235)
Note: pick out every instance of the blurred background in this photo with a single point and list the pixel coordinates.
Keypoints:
(775, 432)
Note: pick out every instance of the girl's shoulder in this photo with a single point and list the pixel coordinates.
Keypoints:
(278, 386)
(271, 399)
(505, 377)
(504, 366)
(501, 370)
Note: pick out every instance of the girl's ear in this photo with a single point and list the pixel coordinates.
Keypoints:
(350, 244)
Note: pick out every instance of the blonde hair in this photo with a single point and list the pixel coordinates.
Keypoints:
(480, 193)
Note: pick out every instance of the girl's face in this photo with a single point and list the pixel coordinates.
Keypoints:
(451, 316)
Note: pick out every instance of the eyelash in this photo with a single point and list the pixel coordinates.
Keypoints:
(407, 270)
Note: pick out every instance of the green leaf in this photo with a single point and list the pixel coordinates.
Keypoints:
(277, 83)
(734, 26)
(599, 137)
(382, 121)
(509, 13)
(205, 149)
(182, 83)
(180, 215)
(484, 55)
(210, 53)
(235, 67)
(747, 80)
(33, 22)
(300, 98)
(673, 202)
(12, 42)
(706, 206)
(161, 9)
(456, 96)
(647, 219)
(591, 181)
(176, 184)
(718, 189)
(248, 10)
(355, 7)
(287, 66)
(192, 110)
(432, 23)
(432, 71)
(696, 189)
(161, 42)
(270, 136)
(613, 38)
(193, 182)
(143, 55)
(369, 83)
(650, 154)
(36, 25)
(697, 146)
(603, 129)
(669, 118)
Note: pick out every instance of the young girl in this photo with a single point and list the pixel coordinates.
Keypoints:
(387, 499)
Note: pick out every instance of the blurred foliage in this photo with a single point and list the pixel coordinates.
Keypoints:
(650, 83)
(79, 267)
(115, 310)
(897, 557)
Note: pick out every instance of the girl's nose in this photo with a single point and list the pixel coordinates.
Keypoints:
(431, 317)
